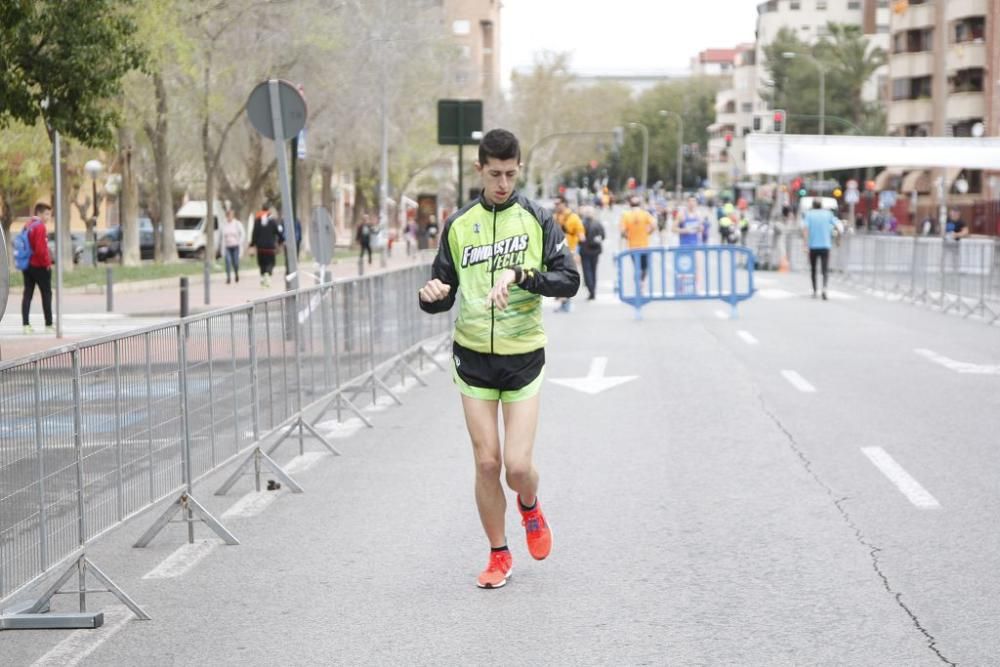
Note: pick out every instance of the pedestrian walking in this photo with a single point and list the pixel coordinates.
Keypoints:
(232, 239)
(636, 226)
(817, 231)
(591, 248)
(364, 238)
(265, 241)
(505, 253)
(31, 255)
(573, 230)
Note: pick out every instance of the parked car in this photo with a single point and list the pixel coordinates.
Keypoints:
(189, 229)
(109, 244)
(78, 243)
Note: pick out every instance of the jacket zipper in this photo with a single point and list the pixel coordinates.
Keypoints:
(493, 271)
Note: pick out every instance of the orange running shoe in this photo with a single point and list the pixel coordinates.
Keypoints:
(496, 572)
(536, 529)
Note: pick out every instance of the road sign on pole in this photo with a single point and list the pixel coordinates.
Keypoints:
(278, 111)
(460, 122)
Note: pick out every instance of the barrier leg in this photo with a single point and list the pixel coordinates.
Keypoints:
(258, 457)
(187, 504)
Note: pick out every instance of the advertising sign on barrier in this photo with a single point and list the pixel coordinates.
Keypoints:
(684, 272)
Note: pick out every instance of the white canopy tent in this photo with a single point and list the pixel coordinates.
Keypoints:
(798, 153)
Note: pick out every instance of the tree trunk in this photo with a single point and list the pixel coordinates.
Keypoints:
(206, 151)
(326, 189)
(164, 177)
(129, 200)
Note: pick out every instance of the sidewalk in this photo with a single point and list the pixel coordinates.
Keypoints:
(145, 303)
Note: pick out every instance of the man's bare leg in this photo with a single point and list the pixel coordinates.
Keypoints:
(481, 421)
(520, 421)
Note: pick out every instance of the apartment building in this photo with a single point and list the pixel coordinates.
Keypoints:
(809, 19)
(475, 28)
(944, 64)
(714, 62)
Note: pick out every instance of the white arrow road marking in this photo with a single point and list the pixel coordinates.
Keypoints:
(798, 382)
(910, 487)
(959, 366)
(595, 382)
(747, 337)
(81, 643)
(721, 314)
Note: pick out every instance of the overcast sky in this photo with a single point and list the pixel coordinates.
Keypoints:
(645, 35)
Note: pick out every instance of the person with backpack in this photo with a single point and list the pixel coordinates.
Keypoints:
(32, 259)
(265, 239)
(590, 249)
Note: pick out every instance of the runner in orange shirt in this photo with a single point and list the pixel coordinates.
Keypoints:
(636, 226)
(572, 227)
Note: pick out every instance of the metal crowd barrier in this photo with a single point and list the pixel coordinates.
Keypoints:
(685, 273)
(952, 276)
(94, 433)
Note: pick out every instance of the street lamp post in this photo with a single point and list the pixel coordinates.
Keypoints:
(645, 151)
(680, 149)
(822, 89)
(94, 169)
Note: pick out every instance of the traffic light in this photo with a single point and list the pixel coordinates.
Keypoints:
(779, 122)
(729, 139)
(803, 192)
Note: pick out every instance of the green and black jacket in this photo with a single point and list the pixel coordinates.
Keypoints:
(481, 240)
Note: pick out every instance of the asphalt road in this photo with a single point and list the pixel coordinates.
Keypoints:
(711, 511)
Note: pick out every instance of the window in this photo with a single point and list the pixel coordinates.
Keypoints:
(795, 4)
(747, 107)
(963, 128)
(882, 28)
(854, 4)
(911, 89)
(461, 27)
(966, 81)
(882, 4)
(917, 130)
(971, 29)
(821, 5)
(920, 40)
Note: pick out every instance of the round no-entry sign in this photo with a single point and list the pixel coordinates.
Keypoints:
(291, 109)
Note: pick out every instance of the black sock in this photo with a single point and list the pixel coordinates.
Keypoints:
(503, 548)
(526, 509)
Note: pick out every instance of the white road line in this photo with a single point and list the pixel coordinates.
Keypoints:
(747, 337)
(958, 366)
(798, 382)
(251, 504)
(774, 293)
(81, 643)
(843, 296)
(304, 462)
(182, 560)
(910, 487)
(722, 315)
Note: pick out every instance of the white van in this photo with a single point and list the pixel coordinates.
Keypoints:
(189, 228)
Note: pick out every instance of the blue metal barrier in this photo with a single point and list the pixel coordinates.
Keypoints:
(685, 273)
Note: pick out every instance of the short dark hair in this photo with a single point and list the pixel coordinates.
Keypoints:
(560, 199)
(817, 203)
(41, 207)
(499, 144)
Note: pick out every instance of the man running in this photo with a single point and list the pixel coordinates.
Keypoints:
(636, 226)
(504, 252)
(575, 234)
(817, 231)
(689, 223)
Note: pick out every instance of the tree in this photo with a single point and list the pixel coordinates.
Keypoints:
(72, 53)
(853, 62)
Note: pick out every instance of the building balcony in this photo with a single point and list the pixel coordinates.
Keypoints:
(915, 16)
(910, 112)
(728, 119)
(959, 9)
(967, 55)
(966, 105)
(908, 65)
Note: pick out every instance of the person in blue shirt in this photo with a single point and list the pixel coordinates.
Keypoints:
(817, 230)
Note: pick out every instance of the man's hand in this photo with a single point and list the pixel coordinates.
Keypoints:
(499, 294)
(251, 251)
(434, 290)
